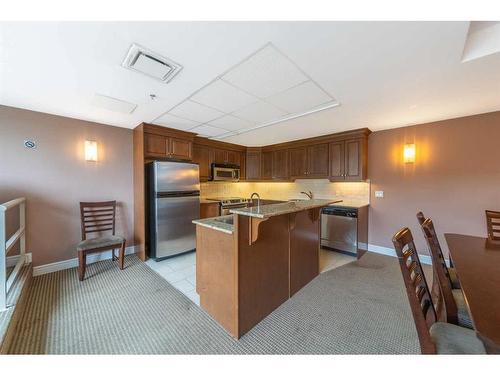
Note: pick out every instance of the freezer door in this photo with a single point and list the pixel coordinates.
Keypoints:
(175, 233)
(173, 176)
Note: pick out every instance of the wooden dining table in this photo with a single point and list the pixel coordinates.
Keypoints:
(478, 268)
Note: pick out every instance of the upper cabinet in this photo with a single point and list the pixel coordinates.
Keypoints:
(280, 165)
(309, 162)
(348, 159)
(206, 152)
(253, 164)
(266, 165)
(162, 143)
(202, 155)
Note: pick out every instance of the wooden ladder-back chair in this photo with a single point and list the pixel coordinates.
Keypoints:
(434, 337)
(98, 218)
(493, 225)
(455, 307)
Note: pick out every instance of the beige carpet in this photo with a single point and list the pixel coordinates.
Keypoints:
(355, 309)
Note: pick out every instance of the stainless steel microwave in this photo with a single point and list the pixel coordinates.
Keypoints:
(225, 172)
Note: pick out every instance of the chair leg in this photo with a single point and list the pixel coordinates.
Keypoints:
(113, 257)
(82, 262)
(122, 255)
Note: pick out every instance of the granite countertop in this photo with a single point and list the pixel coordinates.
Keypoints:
(269, 210)
(351, 204)
(220, 223)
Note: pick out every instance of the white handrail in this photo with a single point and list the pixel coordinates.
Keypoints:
(7, 244)
(7, 205)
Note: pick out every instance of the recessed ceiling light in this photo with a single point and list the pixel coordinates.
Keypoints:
(147, 62)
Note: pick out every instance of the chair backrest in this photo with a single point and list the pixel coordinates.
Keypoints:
(97, 217)
(417, 290)
(420, 217)
(440, 271)
(493, 225)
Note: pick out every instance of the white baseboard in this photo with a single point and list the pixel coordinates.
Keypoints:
(12, 260)
(71, 263)
(425, 259)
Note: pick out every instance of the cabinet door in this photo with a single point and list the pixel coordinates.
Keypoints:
(298, 163)
(253, 165)
(337, 161)
(266, 165)
(317, 160)
(220, 156)
(201, 155)
(233, 157)
(156, 145)
(181, 148)
(354, 153)
(280, 165)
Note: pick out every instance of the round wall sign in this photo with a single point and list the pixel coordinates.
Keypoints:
(29, 144)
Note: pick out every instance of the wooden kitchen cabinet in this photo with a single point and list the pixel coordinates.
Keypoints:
(266, 165)
(253, 164)
(167, 147)
(203, 156)
(298, 163)
(317, 161)
(348, 160)
(309, 162)
(209, 209)
(180, 148)
(280, 165)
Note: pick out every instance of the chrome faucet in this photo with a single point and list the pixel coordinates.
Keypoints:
(258, 199)
(309, 194)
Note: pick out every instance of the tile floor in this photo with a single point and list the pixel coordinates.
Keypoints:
(180, 271)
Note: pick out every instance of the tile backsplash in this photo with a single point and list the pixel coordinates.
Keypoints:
(355, 191)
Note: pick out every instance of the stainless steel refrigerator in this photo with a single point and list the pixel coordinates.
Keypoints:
(174, 201)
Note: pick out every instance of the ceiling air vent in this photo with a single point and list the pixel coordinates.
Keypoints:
(151, 64)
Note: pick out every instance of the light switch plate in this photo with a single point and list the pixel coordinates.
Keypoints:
(379, 194)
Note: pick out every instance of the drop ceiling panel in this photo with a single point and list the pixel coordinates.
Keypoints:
(208, 131)
(223, 96)
(176, 122)
(265, 73)
(113, 104)
(195, 112)
(260, 113)
(231, 123)
(303, 97)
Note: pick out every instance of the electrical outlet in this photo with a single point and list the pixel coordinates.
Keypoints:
(379, 194)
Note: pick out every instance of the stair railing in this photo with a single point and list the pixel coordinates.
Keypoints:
(7, 244)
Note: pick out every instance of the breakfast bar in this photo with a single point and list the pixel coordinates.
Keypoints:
(250, 262)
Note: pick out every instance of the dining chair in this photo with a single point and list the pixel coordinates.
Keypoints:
(493, 225)
(98, 218)
(454, 302)
(451, 270)
(435, 337)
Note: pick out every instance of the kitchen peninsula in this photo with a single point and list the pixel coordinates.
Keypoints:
(250, 262)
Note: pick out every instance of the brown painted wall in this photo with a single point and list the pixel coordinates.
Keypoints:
(456, 177)
(55, 177)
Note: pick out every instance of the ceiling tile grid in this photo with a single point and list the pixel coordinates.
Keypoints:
(263, 89)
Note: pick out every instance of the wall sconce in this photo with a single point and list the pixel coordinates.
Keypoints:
(409, 153)
(90, 150)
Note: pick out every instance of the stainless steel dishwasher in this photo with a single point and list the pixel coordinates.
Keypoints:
(339, 229)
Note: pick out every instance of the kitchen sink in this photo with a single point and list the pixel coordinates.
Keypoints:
(225, 219)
